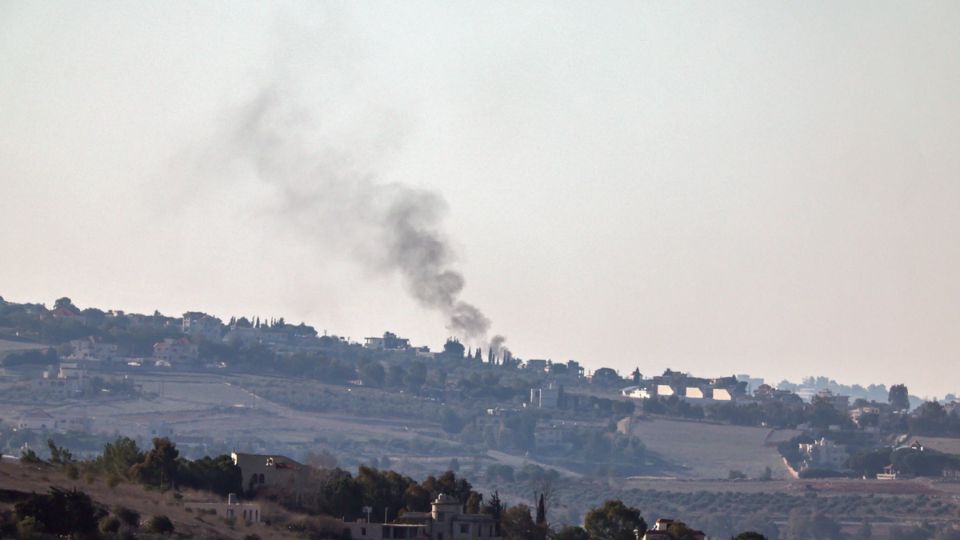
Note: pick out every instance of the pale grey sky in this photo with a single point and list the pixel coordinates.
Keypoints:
(716, 187)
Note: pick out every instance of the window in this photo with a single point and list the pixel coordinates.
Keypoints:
(464, 528)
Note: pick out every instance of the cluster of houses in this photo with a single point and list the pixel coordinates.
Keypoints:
(686, 387)
(285, 477)
(42, 421)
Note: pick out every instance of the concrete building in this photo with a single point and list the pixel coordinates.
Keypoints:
(176, 351)
(389, 342)
(636, 392)
(362, 530)
(546, 398)
(93, 349)
(447, 521)
(536, 365)
(195, 323)
(823, 454)
(261, 470)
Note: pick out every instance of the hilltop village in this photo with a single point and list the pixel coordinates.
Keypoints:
(288, 407)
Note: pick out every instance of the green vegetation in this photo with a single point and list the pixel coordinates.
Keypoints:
(614, 521)
(59, 512)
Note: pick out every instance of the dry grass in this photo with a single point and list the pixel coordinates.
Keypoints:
(40, 478)
(704, 450)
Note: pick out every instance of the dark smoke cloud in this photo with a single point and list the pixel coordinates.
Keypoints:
(497, 348)
(320, 188)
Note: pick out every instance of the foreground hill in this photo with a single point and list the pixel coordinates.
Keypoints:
(18, 480)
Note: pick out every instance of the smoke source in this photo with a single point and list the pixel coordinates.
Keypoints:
(318, 185)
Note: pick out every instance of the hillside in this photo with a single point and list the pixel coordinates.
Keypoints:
(18, 480)
(706, 450)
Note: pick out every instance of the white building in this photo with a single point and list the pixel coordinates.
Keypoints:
(93, 349)
(546, 398)
(445, 521)
(823, 454)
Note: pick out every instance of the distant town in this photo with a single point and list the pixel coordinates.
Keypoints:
(265, 419)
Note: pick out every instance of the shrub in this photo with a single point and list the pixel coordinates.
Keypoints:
(27, 455)
(109, 524)
(128, 516)
(160, 524)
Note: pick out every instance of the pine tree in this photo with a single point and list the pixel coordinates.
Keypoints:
(541, 511)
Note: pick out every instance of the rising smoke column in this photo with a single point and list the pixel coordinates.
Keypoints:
(319, 189)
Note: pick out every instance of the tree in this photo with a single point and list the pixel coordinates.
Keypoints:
(749, 535)
(217, 474)
(58, 454)
(494, 508)
(572, 532)
(606, 376)
(517, 524)
(27, 455)
(541, 511)
(416, 498)
(899, 397)
(119, 456)
(61, 512)
(416, 376)
(160, 464)
(474, 502)
(451, 422)
(678, 530)
(373, 374)
(614, 521)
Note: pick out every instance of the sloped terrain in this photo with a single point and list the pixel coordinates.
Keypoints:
(19, 480)
(705, 450)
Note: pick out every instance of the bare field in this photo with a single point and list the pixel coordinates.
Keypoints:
(7, 346)
(820, 487)
(208, 405)
(947, 445)
(704, 450)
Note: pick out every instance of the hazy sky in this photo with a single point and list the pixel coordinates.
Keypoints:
(716, 187)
